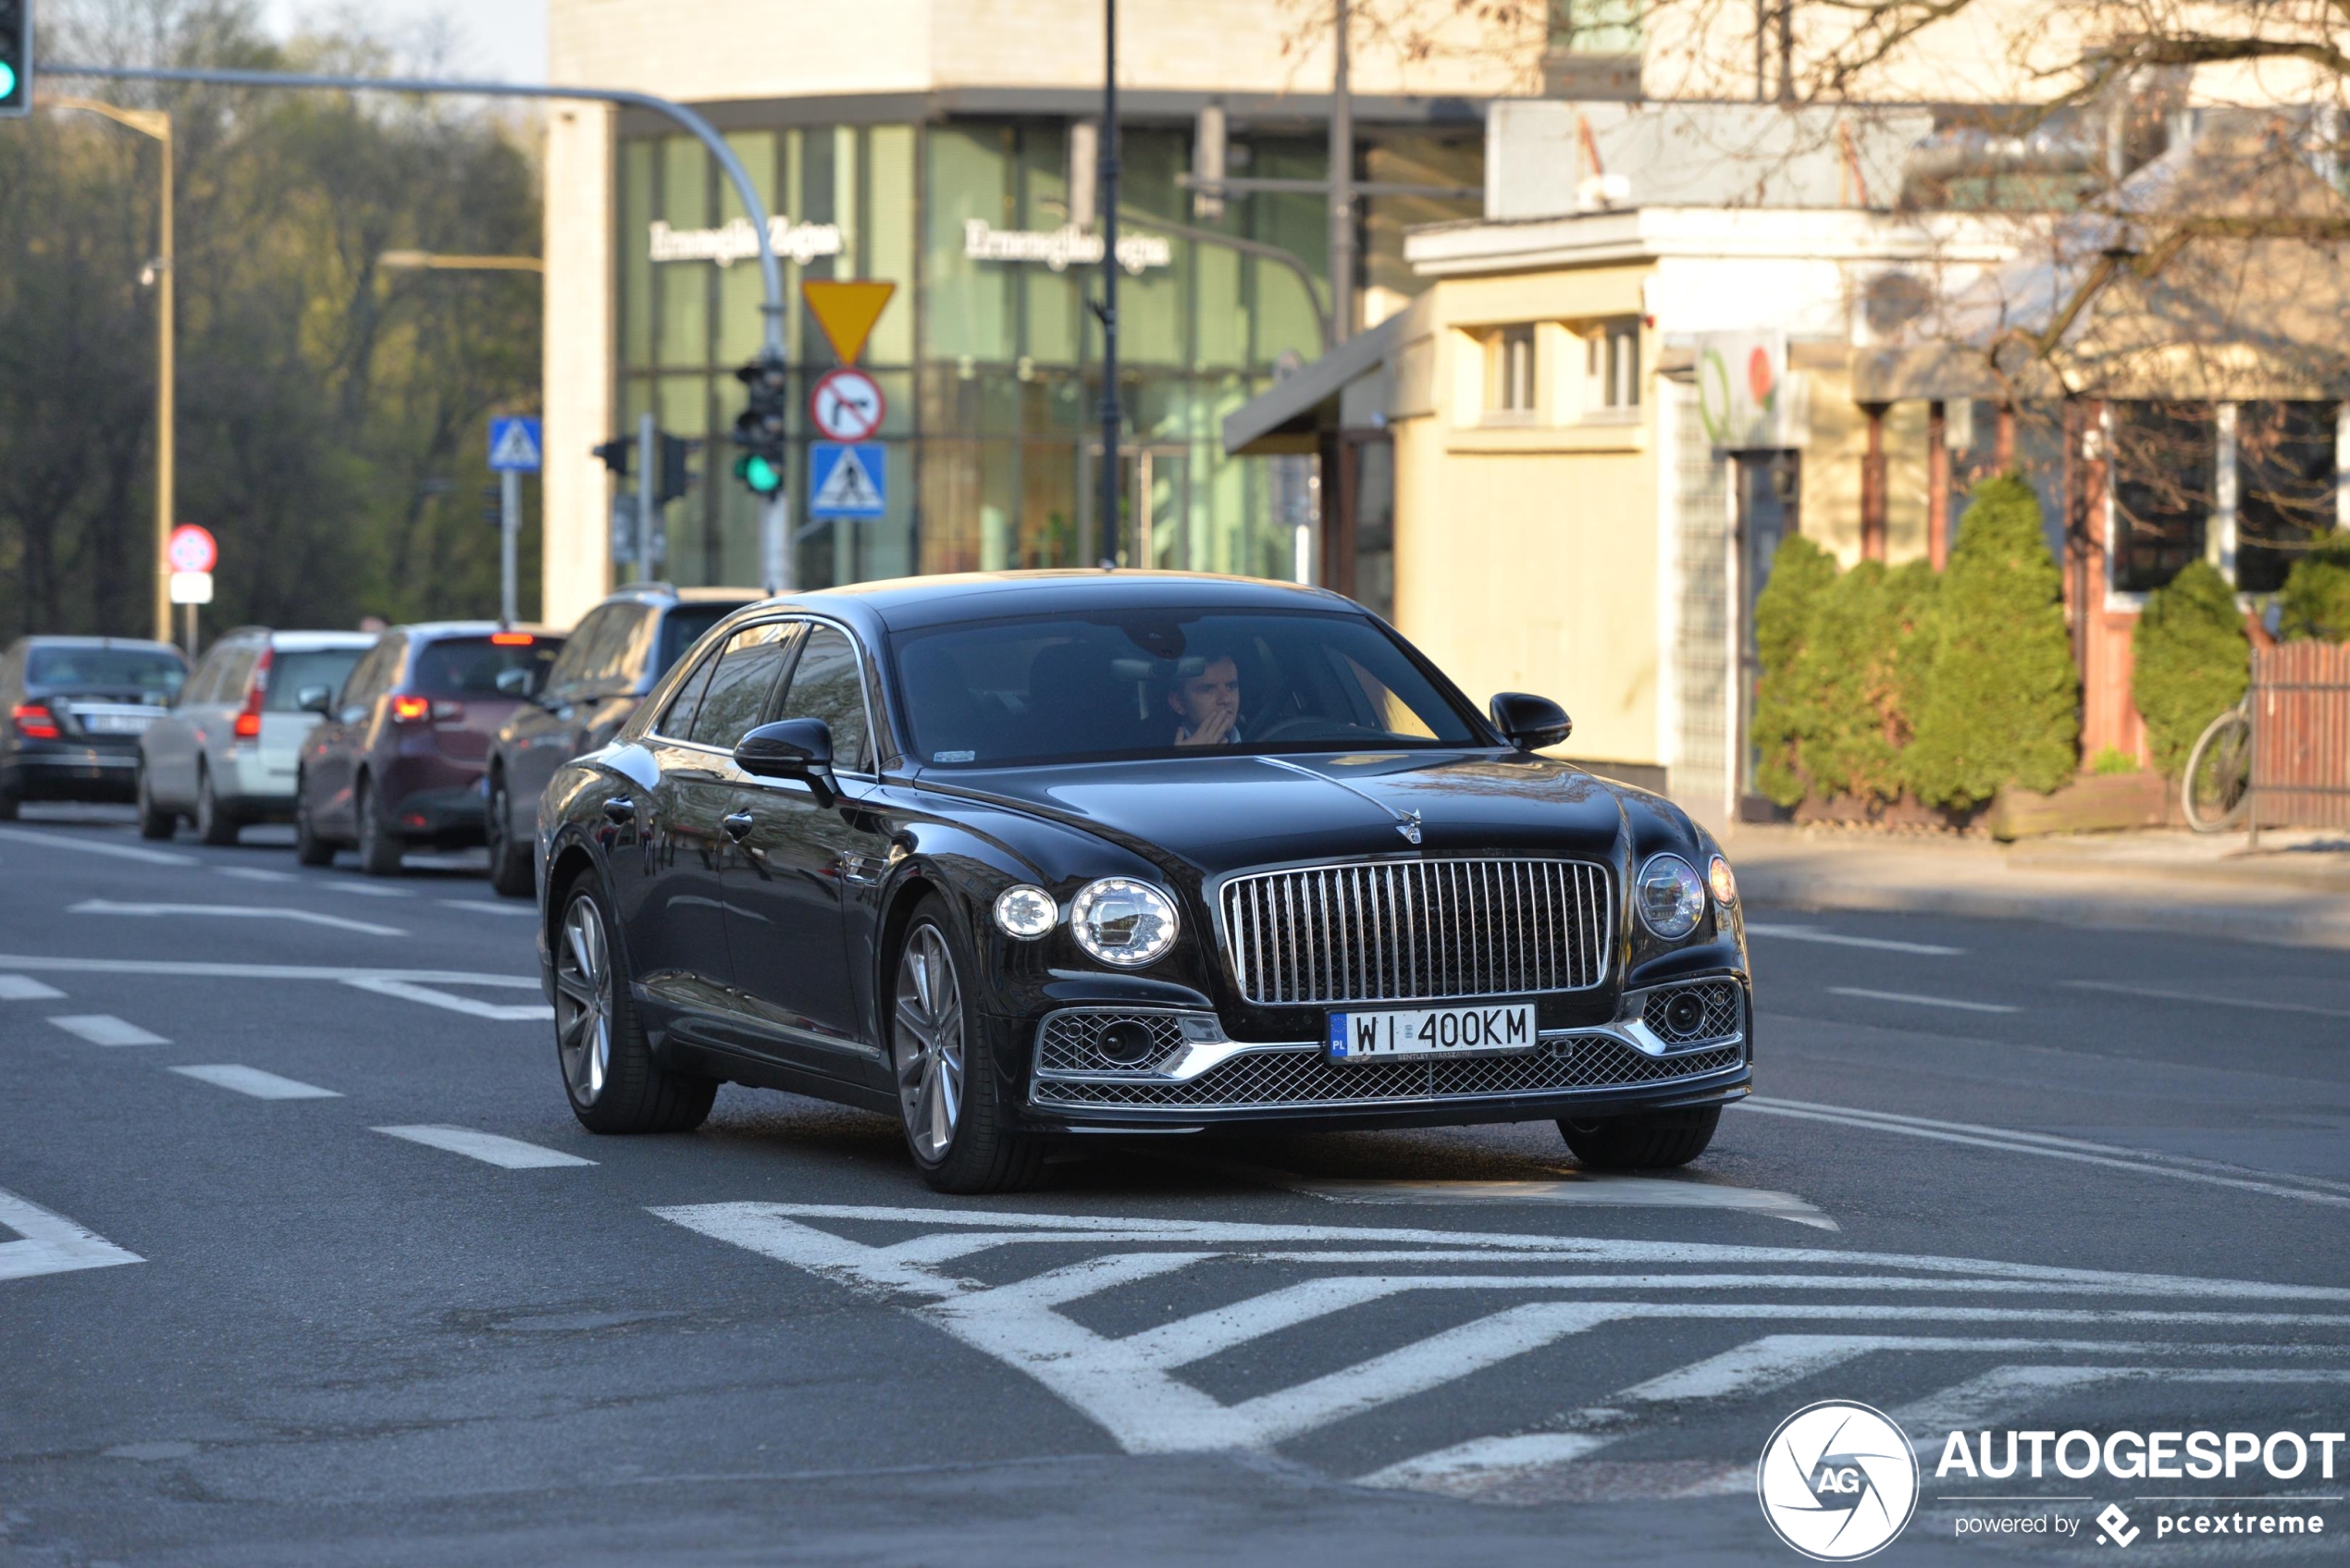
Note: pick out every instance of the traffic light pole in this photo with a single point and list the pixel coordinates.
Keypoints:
(1113, 417)
(646, 441)
(774, 522)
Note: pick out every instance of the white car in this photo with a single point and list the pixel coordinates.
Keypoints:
(226, 753)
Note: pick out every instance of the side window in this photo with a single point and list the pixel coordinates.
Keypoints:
(825, 686)
(373, 675)
(576, 666)
(206, 680)
(741, 684)
(236, 674)
(632, 643)
(677, 723)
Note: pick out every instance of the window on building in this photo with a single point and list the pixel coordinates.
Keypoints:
(1595, 27)
(2165, 459)
(1612, 365)
(2284, 487)
(1509, 373)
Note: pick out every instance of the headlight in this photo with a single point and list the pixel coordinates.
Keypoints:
(1726, 885)
(1026, 912)
(1670, 896)
(1122, 922)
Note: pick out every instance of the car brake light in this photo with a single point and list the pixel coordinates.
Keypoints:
(512, 639)
(411, 709)
(248, 725)
(34, 721)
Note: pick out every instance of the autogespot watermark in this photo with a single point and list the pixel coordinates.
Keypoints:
(1839, 1481)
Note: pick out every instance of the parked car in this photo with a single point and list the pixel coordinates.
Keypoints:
(614, 655)
(227, 752)
(76, 707)
(398, 760)
(1011, 857)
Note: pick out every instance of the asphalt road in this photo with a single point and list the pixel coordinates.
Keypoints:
(303, 1260)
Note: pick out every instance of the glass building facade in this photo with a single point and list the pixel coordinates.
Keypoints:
(988, 354)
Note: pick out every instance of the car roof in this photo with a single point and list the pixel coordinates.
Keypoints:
(429, 630)
(306, 642)
(669, 593)
(903, 603)
(45, 640)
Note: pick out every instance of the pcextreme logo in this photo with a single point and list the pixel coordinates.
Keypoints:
(1838, 1481)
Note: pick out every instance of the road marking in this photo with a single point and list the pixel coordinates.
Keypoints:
(482, 907)
(1917, 1001)
(259, 1084)
(432, 996)
(1583, 1189)
(52, 1243)
(363, 889)
(2143, 1161)
(1882, 943)
(512, 1154)
(234, 911)
(1990, 1400)
(254, 873)
(2212, 1001)
(120, 851)
(24, 988)
(1129, 1383)
(190, 969)
(105, 1029)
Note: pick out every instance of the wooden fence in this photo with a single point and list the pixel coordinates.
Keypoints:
(2300, 706)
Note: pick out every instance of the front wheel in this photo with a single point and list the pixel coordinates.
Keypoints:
(957, 1127)
(608, 1072)
(510, 870)
(2217, 787)
(1658, 1141)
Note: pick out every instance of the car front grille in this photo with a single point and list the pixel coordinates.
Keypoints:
(1262, 1078)
(1414, 931)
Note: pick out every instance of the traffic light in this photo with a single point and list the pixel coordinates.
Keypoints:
(15, 58)
(614, 453)
(674, 478)
(760, 429)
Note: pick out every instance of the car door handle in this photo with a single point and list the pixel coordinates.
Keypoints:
(620, 810)
(738, 826)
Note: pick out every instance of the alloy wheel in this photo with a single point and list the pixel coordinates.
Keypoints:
(583, 1001)
(927, 1040)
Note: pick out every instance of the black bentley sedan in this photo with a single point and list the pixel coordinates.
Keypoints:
(1024, 855)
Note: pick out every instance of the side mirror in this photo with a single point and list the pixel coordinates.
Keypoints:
(316, 699)
(1528, 721)
(522, 681)
(790, 749)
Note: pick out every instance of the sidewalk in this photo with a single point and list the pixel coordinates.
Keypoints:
(2296, 891)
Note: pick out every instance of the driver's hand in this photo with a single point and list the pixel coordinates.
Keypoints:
(1216, 731)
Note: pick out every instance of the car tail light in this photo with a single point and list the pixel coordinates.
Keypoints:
(510, 639)
(411, 709)
(34, 721)
(248, 725)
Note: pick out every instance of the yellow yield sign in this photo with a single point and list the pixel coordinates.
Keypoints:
(846, 311)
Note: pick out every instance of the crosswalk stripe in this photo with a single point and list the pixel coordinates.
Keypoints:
(253, 1082)
(105, 1029)
(92, 846)
(51, 1243)
(234, 911)
(24, 988)
(512, 1154)
(432, 996)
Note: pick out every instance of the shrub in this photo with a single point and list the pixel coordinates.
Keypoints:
(1867, 670)
(2001, 702)
(1787, 615)
(2191, 660)
(2111, 761)
(2316, 596)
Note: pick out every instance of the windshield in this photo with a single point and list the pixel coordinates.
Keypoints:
(683, 626)
(470, 666)
(107, 669)
(1165, 683)
(290, 672)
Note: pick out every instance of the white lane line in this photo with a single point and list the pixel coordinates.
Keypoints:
(432, 996)
(1912, 999)
(259, 1084)
(363, 889)
(512, 1154)
(52, 1244)
(105, 1029)
(191, 969)
(24, 988)
(254, 873)
(1882, 943)
(2141, 1161)
(119, 851)
(232, 912)
(2119, 989)
(1990, 1400)
(482, 907)
(1590, 1191)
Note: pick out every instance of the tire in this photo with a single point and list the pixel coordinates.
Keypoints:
(510, 868)
(957, 1126)
(1658, 1141)
(153, 821)
(309, 848)
(2216, 790)
(214, 823)
(7, 804)
(380, 847)
(609, 1073)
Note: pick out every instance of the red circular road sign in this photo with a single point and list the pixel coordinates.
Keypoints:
(846, 405)
(191, 548)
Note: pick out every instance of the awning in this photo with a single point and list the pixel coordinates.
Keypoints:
(1292, 415)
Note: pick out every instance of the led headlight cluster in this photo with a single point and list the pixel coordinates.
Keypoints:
(1670, 896)
(1117, 919)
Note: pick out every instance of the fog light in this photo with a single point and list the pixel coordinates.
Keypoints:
(1127, 1043)
(1685, 1014)
(1026, 912)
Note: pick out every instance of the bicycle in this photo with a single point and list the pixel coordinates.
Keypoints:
(2216, 788)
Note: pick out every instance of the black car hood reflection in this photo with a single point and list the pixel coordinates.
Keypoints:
(1226, 812)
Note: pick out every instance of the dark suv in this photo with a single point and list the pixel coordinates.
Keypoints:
(71, 713)
(615, 654)
(399, 758)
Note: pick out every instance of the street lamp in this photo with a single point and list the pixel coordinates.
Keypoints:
(157, 124)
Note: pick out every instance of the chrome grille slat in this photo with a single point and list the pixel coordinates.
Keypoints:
(1416, 931)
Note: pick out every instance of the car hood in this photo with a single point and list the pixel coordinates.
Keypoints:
(1225, 813)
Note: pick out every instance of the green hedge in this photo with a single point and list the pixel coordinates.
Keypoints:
(2001, 696)
(1844, 660)
(1786, 694)
(2190, 661)
(2316, 596)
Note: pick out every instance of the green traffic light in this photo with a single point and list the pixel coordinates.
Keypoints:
(764, 477)
(7, 80)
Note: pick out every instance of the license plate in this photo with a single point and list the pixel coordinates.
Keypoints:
(1431, 1031)
(115, 723)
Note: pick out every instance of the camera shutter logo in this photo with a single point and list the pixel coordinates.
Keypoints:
(1838, 1481)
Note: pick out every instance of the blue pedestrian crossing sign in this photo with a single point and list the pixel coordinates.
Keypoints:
(846, 480)
(513, 446)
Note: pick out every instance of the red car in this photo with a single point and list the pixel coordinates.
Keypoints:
(398, 761)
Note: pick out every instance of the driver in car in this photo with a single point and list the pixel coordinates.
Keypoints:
(1207, 700)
